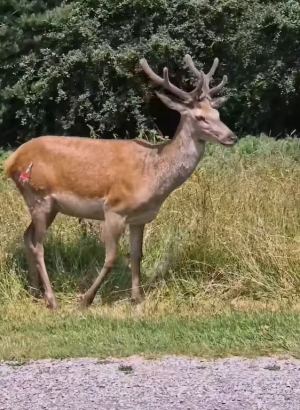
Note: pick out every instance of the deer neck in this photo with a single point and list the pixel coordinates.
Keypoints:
(180, 157)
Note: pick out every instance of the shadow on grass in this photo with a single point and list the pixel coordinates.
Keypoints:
(73, 264)
(74, 259)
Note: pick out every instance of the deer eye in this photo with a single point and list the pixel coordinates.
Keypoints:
(200, 118)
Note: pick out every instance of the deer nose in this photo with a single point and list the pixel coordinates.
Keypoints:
(234, 138)
(229, 139)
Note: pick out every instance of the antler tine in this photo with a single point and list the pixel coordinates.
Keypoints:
(209, 76)
(218, 87)
(199, 74)
(164, 82)
(204, 79)
(207, 79)
(213, 69)
(190, 63)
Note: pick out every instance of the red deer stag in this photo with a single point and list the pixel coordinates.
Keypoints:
(115, 181)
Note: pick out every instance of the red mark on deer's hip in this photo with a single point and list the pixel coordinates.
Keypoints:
(24, 177)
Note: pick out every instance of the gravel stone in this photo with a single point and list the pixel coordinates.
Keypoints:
(170, 383)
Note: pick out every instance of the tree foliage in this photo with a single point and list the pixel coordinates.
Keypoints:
(69, 64)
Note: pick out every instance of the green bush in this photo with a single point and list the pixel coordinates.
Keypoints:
(67, 64)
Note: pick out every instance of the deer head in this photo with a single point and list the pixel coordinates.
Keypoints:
(198, 108)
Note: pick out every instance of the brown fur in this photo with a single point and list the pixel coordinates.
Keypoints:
(89, 168)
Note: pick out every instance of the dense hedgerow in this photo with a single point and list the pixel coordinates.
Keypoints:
(65, 65)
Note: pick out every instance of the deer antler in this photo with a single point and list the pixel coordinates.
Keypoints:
(205, 78)
(165, 82)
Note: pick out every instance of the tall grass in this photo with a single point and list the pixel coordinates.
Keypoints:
(232, 230)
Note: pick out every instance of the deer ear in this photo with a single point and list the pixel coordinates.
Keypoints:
(172, 103)
(217, 102)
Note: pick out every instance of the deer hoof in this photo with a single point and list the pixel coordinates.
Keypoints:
(84, 302)
(137, 298)
(50, 301)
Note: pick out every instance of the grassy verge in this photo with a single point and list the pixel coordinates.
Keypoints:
(222, 332)
(221, 268)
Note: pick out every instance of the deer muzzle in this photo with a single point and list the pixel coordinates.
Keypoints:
(229, 139)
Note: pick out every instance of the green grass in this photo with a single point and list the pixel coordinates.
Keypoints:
(221, 268)
(64, 335)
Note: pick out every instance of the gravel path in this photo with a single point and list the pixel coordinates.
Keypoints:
(168, 384)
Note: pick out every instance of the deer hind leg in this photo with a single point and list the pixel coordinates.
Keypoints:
(136, 247)
(34, 277)
(111, 230)
(42, 214)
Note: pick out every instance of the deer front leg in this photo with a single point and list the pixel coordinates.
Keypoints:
(136, 246)
(112, 228)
